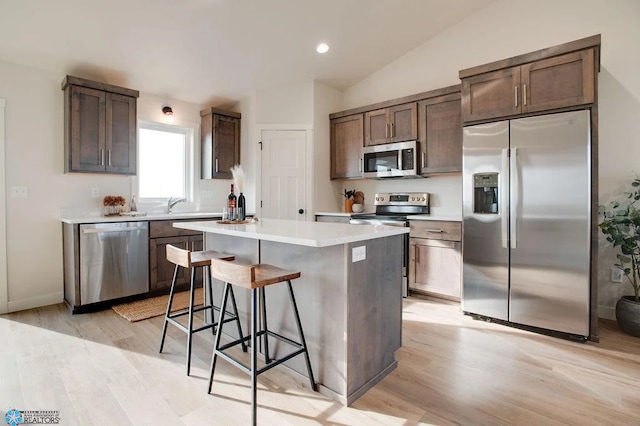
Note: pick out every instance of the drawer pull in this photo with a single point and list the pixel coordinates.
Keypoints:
(435, 231)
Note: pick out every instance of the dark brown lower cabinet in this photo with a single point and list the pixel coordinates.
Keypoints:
(161, 270)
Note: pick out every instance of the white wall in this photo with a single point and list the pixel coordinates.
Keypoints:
(326, 193)
(512, 27)
(290, 104)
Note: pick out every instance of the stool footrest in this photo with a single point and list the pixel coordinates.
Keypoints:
(273, 362)
(177, 324)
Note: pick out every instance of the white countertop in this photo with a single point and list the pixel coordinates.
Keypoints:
(441, 217)
(333, 214)
(312, 234)
(150, 216)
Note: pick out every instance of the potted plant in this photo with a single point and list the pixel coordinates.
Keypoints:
(348, 200)
(621, 225)
(114, 204)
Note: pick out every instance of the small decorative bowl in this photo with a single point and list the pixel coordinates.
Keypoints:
(358, 208)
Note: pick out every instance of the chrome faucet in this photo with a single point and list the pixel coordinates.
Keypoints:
(171, 203)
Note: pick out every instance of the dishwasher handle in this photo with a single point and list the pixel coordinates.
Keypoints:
(108, 230)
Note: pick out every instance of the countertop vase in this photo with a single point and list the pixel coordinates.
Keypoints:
(348, 205)
(113, 210)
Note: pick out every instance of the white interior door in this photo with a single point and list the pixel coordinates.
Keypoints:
(4, 295)
(283, 179)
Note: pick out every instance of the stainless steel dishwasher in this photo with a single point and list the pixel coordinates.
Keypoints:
(114, 260)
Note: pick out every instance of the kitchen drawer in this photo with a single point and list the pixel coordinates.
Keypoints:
(436, 230)
(164, 228)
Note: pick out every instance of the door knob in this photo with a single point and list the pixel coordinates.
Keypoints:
(301, 211)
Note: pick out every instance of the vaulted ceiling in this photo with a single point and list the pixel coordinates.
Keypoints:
(215, 51)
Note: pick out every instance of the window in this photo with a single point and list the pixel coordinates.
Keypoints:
(165, 161)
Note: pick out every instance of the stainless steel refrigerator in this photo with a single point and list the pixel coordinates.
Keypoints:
(526, 221)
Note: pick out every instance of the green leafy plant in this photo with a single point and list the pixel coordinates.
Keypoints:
(621, 225)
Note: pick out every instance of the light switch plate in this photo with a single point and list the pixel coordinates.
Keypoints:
(358, 254)
(19, 192)
(95, 192)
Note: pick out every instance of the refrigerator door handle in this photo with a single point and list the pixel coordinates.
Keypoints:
(514, 199)
(503, 206)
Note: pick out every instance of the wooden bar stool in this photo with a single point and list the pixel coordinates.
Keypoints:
(256, 277)
(192, 260)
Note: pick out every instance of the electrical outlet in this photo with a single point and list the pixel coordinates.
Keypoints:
(19, 192)
(95, 192)
(616, 275)
(358, 254)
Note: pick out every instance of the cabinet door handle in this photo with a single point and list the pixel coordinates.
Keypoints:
(102, 157)
(216, 165)
(360, 165)
(392, 130)
(416, 256)
(109, 157)
(424, 160)
(515, 89)
(386, 133)
(524, 95)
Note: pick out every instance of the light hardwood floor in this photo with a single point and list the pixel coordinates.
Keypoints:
(100, 369)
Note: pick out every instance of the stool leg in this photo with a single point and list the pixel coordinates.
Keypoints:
(235, 310)
(254, 355)
(210, 287)
(301, 334)
(216, 344)
(166, 315)
(265, 338)
(190, 325)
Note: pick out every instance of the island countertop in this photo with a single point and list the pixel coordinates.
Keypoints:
(311, 234)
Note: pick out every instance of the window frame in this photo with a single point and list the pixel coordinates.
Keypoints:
(189, 168)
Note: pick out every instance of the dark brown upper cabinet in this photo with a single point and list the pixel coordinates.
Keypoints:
(557, 78)
(433, 118)
(220, 142)
(100, 127)
(440, 130)
(346, 146)
(398, 123)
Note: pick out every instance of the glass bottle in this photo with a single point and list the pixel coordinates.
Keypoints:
(232, 204)
(242, 213)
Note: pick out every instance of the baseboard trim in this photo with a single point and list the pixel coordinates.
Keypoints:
(35, 302)
(606, 312)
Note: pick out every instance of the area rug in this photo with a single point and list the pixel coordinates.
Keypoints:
(155, 306)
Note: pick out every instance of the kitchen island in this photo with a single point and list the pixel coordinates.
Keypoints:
(349, 294)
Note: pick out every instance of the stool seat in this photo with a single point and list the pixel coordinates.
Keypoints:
(192, 260)
(255, 278)
(251, 276)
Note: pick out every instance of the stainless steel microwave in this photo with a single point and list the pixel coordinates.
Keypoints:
(400, 159)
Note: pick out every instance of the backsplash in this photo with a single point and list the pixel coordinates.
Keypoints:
(445, 191)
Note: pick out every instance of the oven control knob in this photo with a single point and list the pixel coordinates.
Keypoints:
(413, 198)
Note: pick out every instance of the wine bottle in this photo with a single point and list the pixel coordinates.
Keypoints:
(242, 213)
(231, 204)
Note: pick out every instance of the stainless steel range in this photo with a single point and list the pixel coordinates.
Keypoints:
(393, 209)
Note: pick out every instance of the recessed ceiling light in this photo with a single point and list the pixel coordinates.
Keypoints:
(322, 48)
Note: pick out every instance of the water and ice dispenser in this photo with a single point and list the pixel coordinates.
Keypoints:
(485, 193)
